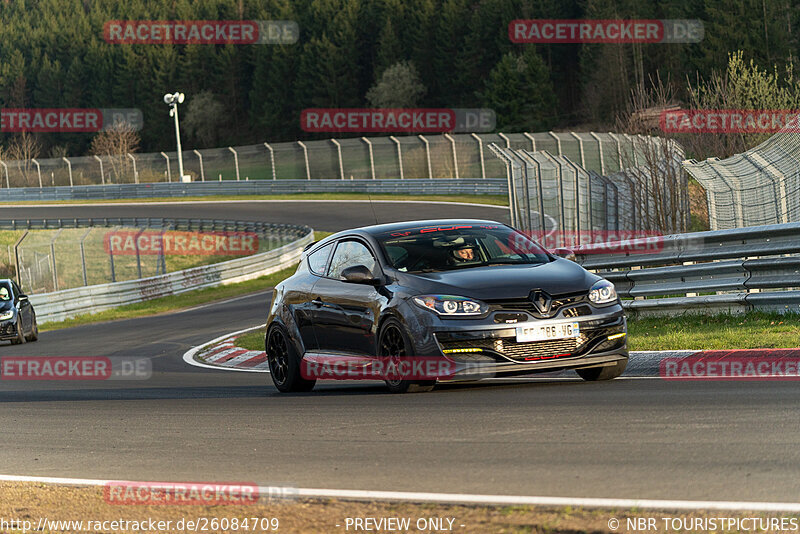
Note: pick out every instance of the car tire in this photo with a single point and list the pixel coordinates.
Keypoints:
(20, 339)
(284, 362)
(609, 372)
(393, 343)
(34, 330)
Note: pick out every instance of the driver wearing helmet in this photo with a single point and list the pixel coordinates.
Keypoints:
(4, 295)
(464, 254)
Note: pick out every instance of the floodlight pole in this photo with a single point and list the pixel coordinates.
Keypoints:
(172, 101)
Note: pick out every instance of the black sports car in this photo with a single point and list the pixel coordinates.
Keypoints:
(17, 316)
(475, 298)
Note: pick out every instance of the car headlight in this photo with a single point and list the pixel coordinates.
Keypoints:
(448, 305)
(603, 292)
(4, 316)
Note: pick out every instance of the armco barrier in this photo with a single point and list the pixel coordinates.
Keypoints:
(60, 305)
(737, 270)
(439, 186)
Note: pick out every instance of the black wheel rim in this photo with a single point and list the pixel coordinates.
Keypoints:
(393, 348)
(278, 356)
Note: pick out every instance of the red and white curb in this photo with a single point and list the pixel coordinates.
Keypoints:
(222, 353)
(463, 498)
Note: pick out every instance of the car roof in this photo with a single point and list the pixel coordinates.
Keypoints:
(378, 229)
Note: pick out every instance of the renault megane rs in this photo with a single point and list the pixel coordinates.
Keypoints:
(478, 297)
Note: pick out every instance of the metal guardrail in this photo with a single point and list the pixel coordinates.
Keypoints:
(60, 305)
(733, 271)
(442, 186)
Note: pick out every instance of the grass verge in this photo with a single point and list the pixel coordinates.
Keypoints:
(252, 340)
(87, 504)
(751, 331)
(755, 330)
(493, 200)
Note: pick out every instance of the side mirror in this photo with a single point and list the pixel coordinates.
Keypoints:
(566, 253)
(22, 298)
(359, 274)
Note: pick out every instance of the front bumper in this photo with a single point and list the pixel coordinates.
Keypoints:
(489, 348)
(8, 329)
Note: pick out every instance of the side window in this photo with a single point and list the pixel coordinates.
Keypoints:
(319, 258)
(350, 253)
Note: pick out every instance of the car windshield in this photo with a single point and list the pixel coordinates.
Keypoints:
(442, 248)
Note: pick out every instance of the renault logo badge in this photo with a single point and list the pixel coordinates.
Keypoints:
(541, 301)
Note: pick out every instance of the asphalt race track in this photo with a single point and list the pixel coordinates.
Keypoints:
(629, 438)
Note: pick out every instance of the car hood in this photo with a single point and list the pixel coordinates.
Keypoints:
(506, 281)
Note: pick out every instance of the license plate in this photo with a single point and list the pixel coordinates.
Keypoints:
(547, 332)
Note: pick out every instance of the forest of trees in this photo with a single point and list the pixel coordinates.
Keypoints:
(447, 53)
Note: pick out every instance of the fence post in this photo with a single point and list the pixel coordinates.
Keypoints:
(135, 172)
(455, 156)
(633, 149)
(600, 152)
(202, 171)
(558, 142)
(562, 216)
(305, 156)
(399, 155)
(539, 191)
(533, 140)
(428, 155)
(271, 159)
(16, 255)
(138, 255)
(619, 150)
(510, 180)
(480, 152)
(38, 171)
(53, 258)
(577, 170)
(69, 166)
(339, 150)
(505, 138)
(169, 172)
(111, 254)
(371, 157)
(5, 167)
(102, 175)
(83, 256)
(235, 162)
(580, 148)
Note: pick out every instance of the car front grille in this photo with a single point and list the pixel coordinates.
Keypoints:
(522, 352)
(558, 303)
